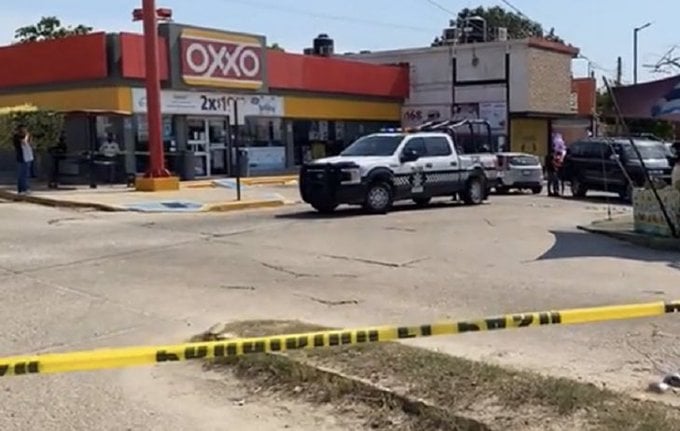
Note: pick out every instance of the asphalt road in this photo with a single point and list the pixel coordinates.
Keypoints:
(76, 280)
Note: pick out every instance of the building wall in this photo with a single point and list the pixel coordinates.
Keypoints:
(550, 76)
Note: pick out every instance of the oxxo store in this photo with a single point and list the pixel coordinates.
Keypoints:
(285, 101)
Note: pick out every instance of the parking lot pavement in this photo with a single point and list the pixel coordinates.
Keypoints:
(85, 279)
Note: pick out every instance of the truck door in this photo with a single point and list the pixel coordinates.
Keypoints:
(411, 176)
(441, 166)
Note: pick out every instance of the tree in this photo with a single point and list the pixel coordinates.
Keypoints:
(276, 47)
(49, 27)
(519, 26)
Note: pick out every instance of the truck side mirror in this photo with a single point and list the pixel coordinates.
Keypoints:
(409, 155)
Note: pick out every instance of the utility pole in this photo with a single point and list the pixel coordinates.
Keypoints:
(636, 30)
(619, 71)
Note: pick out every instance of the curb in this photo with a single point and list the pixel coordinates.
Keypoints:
(656, 243)
(243, 205)
(269, 181)
(58, 203)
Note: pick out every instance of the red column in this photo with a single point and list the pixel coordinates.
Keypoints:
(153, 91)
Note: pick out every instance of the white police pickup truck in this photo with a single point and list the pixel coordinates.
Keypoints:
(379, 169)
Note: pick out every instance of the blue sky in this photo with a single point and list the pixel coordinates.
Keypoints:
(603, 29)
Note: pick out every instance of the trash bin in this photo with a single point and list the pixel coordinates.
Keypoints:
(188, 166)
(244, 160)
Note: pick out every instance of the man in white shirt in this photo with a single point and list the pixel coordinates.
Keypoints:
(110, 147)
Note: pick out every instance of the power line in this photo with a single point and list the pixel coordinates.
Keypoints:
(347, 19)
(440, 7)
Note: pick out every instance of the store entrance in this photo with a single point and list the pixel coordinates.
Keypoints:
(209, 141)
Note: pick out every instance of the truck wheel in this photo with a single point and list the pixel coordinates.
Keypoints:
(537, 190)
(474, 192)
(325, 207)
(578, 189)
(378, 198)
(422, 202)
(502, 190)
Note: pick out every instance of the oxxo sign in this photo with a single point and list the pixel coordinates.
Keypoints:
(221, 59)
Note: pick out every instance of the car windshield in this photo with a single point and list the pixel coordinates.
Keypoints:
(647, 150)
(373, 145)
(524, 161)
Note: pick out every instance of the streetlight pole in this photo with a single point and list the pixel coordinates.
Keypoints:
(636, 30)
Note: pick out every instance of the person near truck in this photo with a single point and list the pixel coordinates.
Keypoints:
(24, 157)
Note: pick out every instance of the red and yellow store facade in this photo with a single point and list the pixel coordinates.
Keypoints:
(290, 107)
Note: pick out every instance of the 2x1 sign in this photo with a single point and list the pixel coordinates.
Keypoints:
(220, 104)
(221, 59)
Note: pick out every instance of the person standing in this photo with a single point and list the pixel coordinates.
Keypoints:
(24, 157)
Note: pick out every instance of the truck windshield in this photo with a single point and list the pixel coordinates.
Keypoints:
(373, 145)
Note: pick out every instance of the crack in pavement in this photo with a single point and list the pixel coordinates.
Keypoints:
(99, 337)
(286, 271)
(376, 262)
(329, 302)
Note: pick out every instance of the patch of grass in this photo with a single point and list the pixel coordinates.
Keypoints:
(462, 393)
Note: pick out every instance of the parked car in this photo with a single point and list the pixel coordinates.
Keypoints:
(611, 164)
(519, 171)
(379, 169)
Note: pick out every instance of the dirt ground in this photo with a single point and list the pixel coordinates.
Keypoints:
(77, 280)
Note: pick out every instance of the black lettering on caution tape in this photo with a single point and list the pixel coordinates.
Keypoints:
(467, 327)
(20, 368)
(163, 356)
(495, 323)
(196, 352)
(672, 307)
(522, 320)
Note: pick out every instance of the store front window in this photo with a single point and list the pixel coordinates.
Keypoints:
(262, 140)
(141, 127)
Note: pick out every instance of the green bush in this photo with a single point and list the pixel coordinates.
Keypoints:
(45, 127)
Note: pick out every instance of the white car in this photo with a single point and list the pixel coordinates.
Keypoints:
(519, 171)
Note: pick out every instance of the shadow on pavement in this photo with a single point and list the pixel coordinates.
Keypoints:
(569, 245)
(344, 211)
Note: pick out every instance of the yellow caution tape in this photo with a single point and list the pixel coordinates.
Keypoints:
(134, 356)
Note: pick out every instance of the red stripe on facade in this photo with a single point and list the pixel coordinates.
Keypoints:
(133, 61)
(78, 58)
(330, 75)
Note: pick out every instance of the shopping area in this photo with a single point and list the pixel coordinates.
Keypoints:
(219, 90)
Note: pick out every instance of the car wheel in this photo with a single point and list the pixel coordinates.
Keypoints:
(422, 202)
(578, 189)
(325, 207)
(537, 190)
(474, 193)
(378, 198)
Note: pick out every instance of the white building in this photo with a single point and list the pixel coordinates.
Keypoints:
(522, 87)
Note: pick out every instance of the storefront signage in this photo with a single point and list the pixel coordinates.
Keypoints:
(194, 103)
(221, 59)
(411, 116)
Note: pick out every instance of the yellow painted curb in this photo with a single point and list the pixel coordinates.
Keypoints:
(58, 203)
(243, 205)
(199, 184)
(269, 181)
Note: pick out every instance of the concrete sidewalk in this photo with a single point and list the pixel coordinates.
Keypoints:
(622, 228)
(215, 196)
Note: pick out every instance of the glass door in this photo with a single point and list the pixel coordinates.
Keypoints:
(218, 137)
(199, 144)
